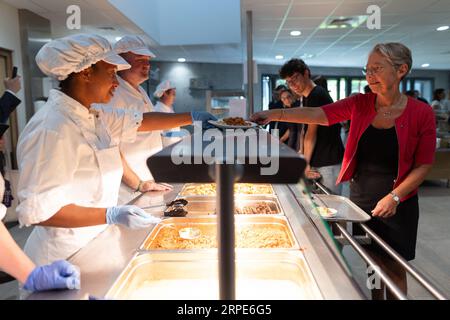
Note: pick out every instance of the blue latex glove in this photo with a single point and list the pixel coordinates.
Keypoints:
(203, 116)
(132, 217)
(174, 134)
(58, 275)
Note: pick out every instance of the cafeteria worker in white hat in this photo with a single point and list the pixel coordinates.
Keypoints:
(166, 94)
(130, 95)
(70, 167)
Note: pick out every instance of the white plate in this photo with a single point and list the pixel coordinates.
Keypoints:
(223, 125)
(189, 233)
(325, 212)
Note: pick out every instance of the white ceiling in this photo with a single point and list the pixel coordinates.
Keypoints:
(412, 22)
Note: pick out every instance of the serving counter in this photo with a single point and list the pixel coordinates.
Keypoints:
(124, 264)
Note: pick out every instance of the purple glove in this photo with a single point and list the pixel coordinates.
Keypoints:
(58, 275)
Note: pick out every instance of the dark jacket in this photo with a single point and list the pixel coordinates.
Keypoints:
(8, 103)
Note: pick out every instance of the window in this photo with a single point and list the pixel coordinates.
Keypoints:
(333, 85)
(357, 85)
(343, 88)
(423, 85)
(425, 88)
(266, 92)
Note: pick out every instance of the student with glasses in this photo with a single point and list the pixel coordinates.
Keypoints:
(322, 145)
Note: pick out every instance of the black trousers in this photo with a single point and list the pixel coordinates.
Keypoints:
(400, 230)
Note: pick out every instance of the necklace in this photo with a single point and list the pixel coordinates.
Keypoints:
(391, 108)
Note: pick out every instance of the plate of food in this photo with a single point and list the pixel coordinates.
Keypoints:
(233, 123)
(325, 212)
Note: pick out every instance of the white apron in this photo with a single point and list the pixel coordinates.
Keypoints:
(61, 243)
(146, 144)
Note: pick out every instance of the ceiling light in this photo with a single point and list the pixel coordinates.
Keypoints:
(307, 56)
(295, 33)
(181, 60)
(425, 65)
(279, 57)
(118, 38)
(443, 28)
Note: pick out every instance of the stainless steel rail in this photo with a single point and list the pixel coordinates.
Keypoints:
(414, 272)
(322, 187)
(387, 281)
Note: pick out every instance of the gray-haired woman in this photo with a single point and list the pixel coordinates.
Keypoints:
(390, 150)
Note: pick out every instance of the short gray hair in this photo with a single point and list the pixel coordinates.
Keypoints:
(396, 53)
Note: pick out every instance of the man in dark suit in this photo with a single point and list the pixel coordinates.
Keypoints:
(9, 100)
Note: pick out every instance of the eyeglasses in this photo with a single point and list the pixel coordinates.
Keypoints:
(372, 71)
(294, 79)
(377, 69)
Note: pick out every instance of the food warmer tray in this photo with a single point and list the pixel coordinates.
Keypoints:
(172, 276)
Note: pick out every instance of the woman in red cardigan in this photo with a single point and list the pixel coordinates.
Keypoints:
(390, 150)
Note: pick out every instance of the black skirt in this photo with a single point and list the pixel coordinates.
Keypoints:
(400, 230)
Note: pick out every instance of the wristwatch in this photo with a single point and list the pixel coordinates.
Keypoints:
(395, 197)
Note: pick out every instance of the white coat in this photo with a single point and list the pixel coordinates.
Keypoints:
(68, 154)
(166, 140)
(146, 144)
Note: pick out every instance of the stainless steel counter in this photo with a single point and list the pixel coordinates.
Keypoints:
(104, 258)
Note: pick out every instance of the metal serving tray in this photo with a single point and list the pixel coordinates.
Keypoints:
(346, 209)
(278, 275)
(199, 205)
(210, 190)
(268, 232)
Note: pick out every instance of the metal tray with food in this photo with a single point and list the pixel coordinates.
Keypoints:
(269, 232)
(277, 275)
(338, 208)
(245, 205)
(209, 189)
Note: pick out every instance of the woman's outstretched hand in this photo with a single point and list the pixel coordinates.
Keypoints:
(263, 117)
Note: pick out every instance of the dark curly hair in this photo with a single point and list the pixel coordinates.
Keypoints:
(294, 66)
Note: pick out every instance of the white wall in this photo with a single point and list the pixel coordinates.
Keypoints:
(218, 77)
(10, 39)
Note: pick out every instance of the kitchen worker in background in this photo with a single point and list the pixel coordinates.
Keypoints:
(9, 100)
(166, 94)
(438, 103)
(390, 150)
(59, 275)
(70, 167)
(131, 96)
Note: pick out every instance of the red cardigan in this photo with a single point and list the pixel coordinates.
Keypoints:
(416, 133)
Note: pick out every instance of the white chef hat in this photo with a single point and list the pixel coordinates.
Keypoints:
(163, 87)
(134, 44)
(61, 57)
